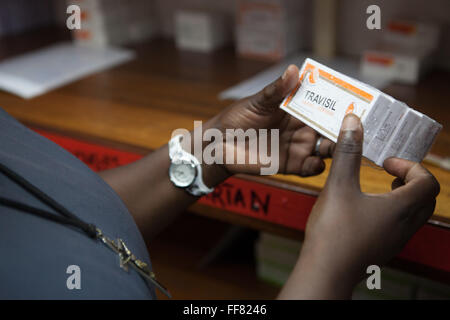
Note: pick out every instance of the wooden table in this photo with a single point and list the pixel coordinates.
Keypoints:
(136, 106)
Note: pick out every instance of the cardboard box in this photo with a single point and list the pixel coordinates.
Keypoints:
(115, 22)
(404, 54)
(396, 64)
(325, 96)
(201, 30)
(268, 29)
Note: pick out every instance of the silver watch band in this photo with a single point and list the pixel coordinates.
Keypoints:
(198, 187)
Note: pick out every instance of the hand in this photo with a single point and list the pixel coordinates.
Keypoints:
(261, 111)
(349, 230)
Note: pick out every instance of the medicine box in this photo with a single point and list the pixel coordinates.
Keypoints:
(201, 30)
(404, 53)
(115, 22)
(394, 63)
(269, 29)
(412, 35)
(391, 129)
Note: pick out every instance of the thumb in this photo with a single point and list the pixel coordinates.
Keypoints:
(269, 98)
(344, 172)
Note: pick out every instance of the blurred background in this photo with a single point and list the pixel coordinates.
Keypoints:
(138, 20)
(115, 86)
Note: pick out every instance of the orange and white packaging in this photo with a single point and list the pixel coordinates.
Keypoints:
(404, 54)
(412, 34)
(324, 96)
(396, 63)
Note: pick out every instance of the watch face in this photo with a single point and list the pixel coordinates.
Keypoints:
(182, 174)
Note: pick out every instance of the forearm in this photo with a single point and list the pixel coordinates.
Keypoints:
(316, 276)
(148, 193)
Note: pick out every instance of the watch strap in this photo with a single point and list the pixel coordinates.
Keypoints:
(198, 187)
(175, 146)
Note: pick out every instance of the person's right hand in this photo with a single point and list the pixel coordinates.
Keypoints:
(348, 230)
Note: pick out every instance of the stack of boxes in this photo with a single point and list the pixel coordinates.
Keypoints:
(201, 30)
(269, 29)
(404, 54)
(391, 128)
(115, 22)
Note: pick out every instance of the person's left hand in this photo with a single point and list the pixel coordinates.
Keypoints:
(297, 142)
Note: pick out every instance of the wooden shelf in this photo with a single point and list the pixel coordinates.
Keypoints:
(136, 106)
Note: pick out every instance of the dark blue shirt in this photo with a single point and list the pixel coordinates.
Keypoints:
(35, 252)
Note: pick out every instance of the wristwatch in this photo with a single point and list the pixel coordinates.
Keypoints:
(185, 170)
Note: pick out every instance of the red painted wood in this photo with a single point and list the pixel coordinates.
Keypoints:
(97, 157)
(260, 201)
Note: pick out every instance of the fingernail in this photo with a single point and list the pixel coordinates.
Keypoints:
(286, 72)
(351, 122)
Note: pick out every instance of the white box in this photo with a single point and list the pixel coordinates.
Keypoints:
(421, 139)
(115, 22)
(201, 30)
(412, 35)
(404, 54)
(401, 134)
(382, 134)
(325, 96)
(268, 29)
(393, 63)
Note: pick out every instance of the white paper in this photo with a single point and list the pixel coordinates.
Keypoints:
(38, 72)
(254, 84)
